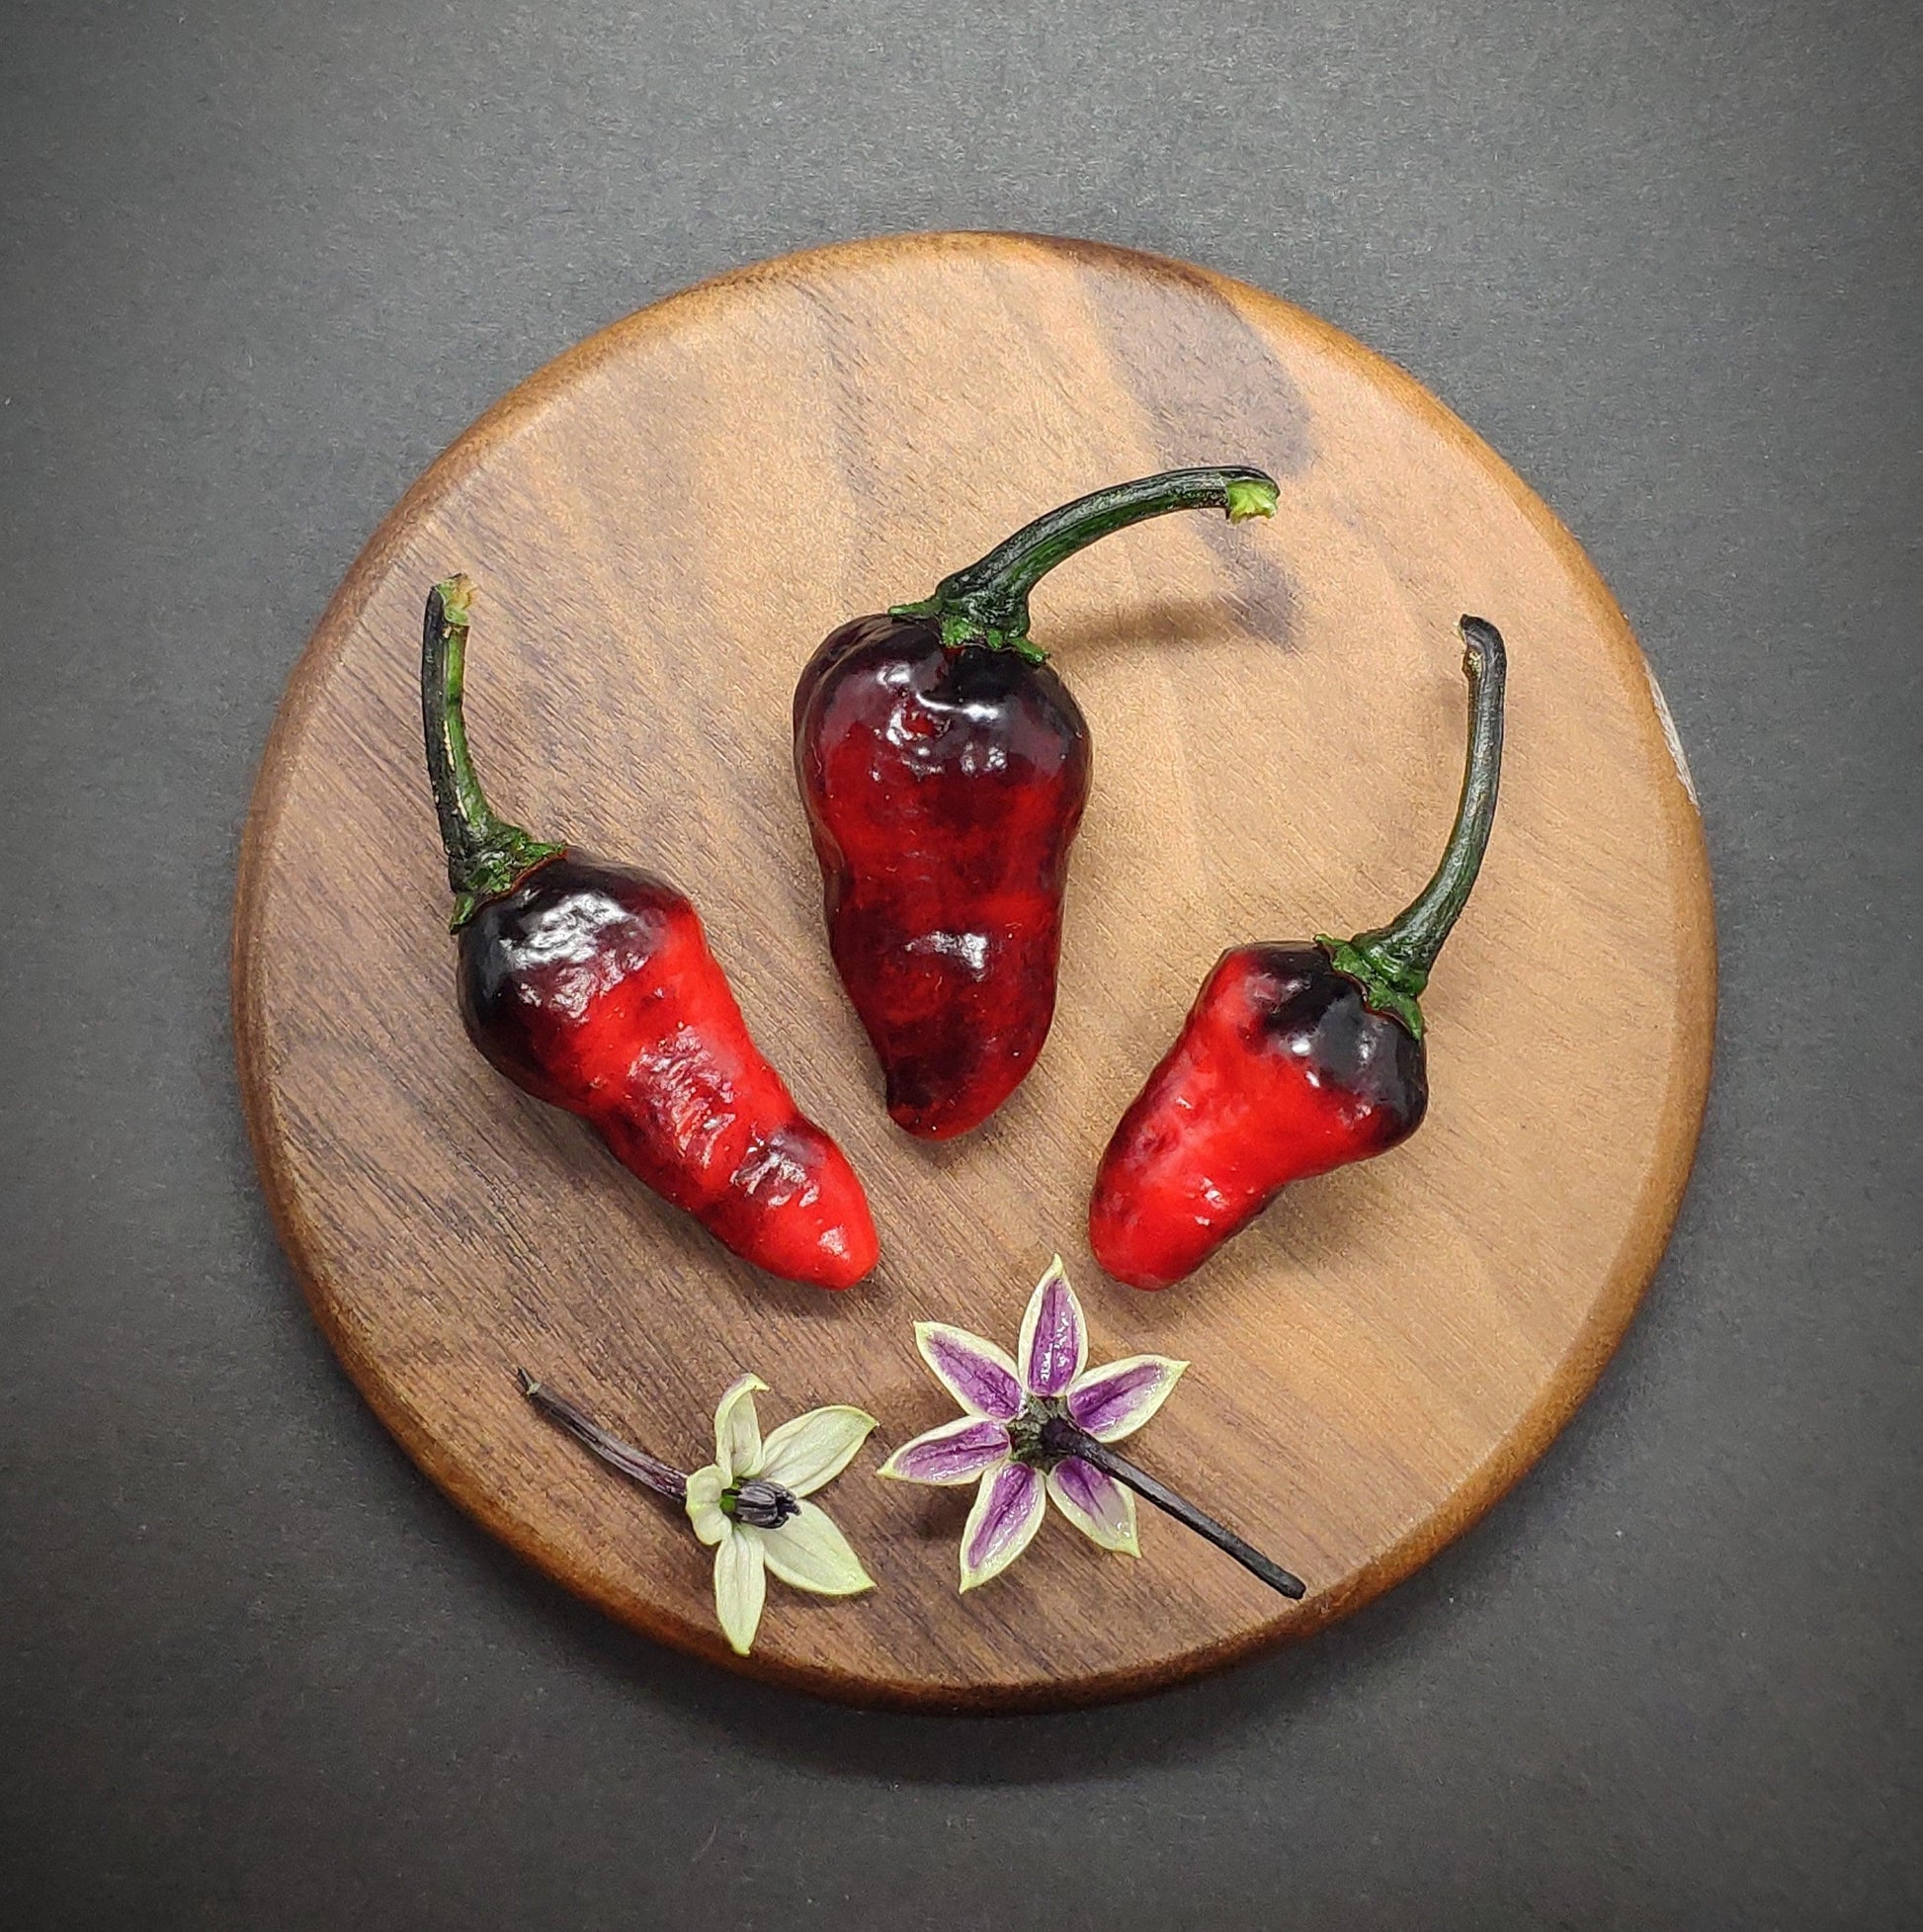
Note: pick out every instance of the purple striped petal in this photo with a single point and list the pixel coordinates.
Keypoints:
(1008, 1511)
(1055, 1337)
(977, 1373)
(957, 1452)
(1116, 1400)
(1096, 1504)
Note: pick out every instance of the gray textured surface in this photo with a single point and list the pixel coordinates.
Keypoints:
(259, 264)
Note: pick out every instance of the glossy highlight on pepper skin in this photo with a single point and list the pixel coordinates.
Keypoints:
(1295, 1058)
(1281, 1072)
(942, 788)
(591, 986)
(944, 769)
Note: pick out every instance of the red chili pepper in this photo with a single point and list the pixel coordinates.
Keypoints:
(591, 986)
(945, 768)
(1295, 1058)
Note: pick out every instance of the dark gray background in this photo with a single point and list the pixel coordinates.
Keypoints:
(260, 263)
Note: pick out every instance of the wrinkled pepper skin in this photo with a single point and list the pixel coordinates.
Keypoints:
(591, 987)
(943, 789)
(1295, 1058)
(1281, 1072)
(944, 769)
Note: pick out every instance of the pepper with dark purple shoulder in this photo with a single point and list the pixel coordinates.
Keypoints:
(945, 767)
(590, 985)
(1295, 1058)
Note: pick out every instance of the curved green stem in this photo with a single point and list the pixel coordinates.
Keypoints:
(987, 604)
(486, 856)
(1391, 963)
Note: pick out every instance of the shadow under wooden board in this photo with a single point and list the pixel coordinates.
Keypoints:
(662, 524)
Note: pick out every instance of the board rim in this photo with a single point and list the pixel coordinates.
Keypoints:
(1561, 1391)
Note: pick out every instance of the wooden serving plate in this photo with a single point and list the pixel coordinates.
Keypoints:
(662, 524)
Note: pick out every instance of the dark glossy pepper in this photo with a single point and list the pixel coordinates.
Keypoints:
(1295, 1057)
(591, 986)
(945, 767)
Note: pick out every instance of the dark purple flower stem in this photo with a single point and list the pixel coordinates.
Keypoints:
(648, 1471)
(1061, 1437)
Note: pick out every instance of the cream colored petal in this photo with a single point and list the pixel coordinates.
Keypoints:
(810, 1552)
(814, 1448)
(737, 1430)
(704, 1504)
(740, 1587)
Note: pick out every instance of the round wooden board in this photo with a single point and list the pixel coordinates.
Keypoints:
(662, 524)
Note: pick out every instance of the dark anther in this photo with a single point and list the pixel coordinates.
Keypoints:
(764, 1505)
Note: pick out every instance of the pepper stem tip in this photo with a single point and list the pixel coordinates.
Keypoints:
(987, 604)
(486, 855)
(1391, 963)
(457, 595)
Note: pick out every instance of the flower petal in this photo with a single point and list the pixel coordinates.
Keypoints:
(1009, 1507)
(808, 1552)
(704, 1504)
(977, 1373)
(1116, 1399)
(957, 1452)
(737, 1430)
(814, 1448)
(740, 1587)
(1055, 1337)
(1096, 1504)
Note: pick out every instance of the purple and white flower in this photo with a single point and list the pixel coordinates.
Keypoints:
(1002, 1443)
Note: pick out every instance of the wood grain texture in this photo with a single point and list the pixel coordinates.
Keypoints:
(662, 526)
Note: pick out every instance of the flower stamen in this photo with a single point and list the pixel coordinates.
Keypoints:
(760, 1505)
